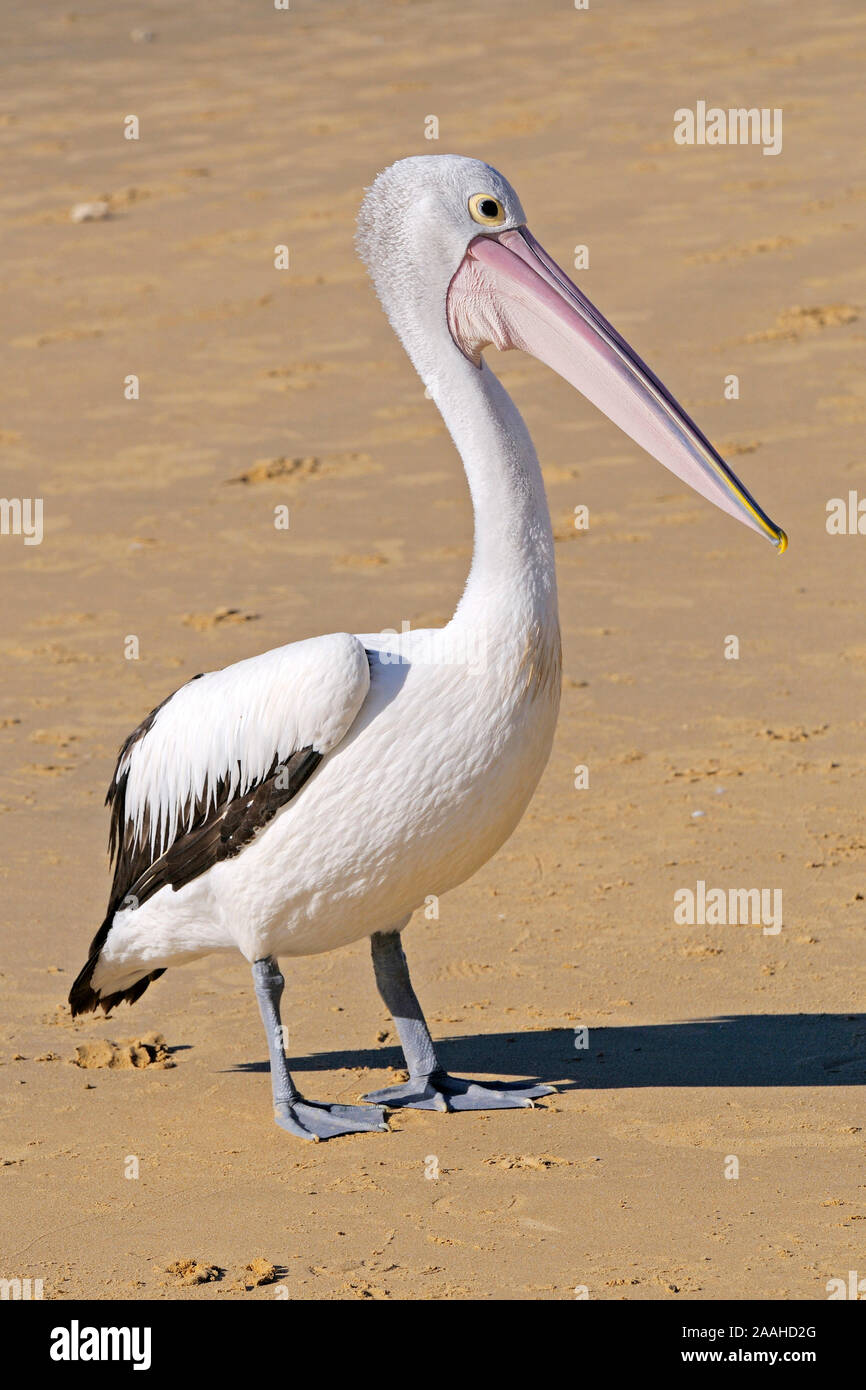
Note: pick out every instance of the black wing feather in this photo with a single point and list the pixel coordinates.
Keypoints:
(219, 829)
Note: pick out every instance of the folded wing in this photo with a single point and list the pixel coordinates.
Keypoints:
(214, 763)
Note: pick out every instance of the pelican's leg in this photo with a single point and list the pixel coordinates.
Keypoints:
(429, 1087)
(308, 1119)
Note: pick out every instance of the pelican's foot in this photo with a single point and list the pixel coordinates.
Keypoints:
(439, 1091)
(312, 1119)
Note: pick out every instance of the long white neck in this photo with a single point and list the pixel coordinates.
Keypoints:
(512, 582)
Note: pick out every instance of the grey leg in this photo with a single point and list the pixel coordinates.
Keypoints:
(429, 1087)
(308, 1119)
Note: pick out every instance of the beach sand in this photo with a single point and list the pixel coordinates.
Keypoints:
(261, 128)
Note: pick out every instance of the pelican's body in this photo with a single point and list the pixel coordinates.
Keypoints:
(440, 768)
(452, 732)
(320, 793)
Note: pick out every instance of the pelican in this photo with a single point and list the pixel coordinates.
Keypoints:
(319, 793)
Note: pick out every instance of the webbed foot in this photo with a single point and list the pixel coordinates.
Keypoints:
(439, 1091)
(316, 1120)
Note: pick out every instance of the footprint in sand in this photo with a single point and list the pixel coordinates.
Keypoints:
(205, 622)
(346, 465)
(793, 324)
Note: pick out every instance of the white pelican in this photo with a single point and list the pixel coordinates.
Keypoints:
(317, 794)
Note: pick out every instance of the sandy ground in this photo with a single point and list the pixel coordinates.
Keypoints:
(260, 128)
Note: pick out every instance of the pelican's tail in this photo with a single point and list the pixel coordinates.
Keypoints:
(85, 999)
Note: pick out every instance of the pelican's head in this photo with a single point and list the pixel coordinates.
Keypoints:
(454, 264)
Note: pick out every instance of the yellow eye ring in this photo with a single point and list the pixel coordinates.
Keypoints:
(486, 209)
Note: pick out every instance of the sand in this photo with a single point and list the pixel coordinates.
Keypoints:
(705, 1043)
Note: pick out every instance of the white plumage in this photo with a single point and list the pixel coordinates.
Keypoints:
(320, 793)
(231, 726)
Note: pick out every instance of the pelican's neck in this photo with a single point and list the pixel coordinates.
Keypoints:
(512, 581)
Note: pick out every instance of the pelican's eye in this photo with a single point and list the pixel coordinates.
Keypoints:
(486, 210)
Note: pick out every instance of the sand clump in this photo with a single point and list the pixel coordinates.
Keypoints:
(149, 1050)
(259, 1271)
(189, 1271)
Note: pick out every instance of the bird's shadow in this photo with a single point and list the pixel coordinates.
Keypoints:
(733, 1050)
